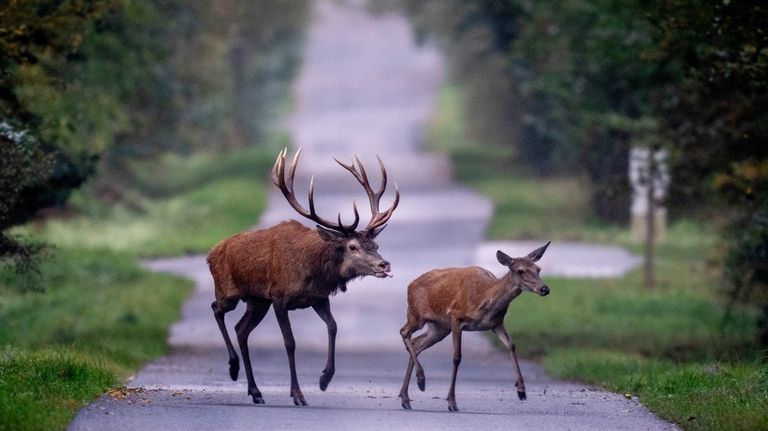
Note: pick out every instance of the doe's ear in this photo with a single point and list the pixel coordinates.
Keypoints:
(536, 254)
(328, 235)
(503, 258)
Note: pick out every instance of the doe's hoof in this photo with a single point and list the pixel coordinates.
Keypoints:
(521, 395)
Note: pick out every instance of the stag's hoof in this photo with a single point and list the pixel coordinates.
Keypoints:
(234, 368)
(256, 396)
(521, 394)
(298, 398)
(452, 407)
(406, 402)
(325, 379)
(421, 381)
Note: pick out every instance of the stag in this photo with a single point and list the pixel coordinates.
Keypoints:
(290, 266)
(453, 300)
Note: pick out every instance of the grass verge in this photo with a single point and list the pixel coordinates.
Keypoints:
(98, 319)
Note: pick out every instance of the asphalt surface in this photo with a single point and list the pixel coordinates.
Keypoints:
(365, 88)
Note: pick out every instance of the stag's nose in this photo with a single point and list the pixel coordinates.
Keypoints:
(544, 290)
(384, 265)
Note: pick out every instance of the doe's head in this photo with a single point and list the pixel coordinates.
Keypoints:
(525, 273)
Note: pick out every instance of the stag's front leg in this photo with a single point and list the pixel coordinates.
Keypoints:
(290, 347)
(456, 332)
(323, 309)
(504, 338)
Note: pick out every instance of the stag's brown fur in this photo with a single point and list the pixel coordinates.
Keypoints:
(290, 266)
(288, 263)
(453, 300)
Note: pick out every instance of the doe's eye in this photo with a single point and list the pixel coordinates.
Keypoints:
(352, 247)
(520, 271)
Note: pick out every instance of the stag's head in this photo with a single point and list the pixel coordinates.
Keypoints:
(524, 271)
(359, 251)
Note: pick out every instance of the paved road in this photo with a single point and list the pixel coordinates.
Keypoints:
(365, 89)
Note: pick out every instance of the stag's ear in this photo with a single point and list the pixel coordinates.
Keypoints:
(329, 235)
(536, 254)
(503, 258)
(372, 234)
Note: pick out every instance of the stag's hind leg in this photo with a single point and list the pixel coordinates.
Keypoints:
(254, 314)
(220, 308)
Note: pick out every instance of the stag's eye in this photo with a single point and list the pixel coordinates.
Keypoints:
(352, 247)
(520, 271)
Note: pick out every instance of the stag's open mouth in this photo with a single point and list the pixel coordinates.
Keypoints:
(382, 274)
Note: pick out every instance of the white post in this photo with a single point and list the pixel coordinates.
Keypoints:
(639, 172)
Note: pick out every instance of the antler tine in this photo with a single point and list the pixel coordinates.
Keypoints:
(383, 177)
(276, 167)
(313, 213)
(382, 218)
(278, 177)
(377, 218)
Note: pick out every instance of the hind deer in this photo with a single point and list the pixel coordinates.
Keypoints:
(290, 266)
(453, 300)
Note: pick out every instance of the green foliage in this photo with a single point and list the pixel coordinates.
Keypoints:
(103, 317)
(38, 40)
(746, 265)
(112, 78)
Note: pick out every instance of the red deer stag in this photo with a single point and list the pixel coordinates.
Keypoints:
(290, 266)
(453, 300)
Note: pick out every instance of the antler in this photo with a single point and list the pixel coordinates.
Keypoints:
(378, 218)
(278, 178)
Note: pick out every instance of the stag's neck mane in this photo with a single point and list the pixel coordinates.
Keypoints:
(326, 278)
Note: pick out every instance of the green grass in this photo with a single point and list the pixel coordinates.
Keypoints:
(672, 346)
(99, 318)
(697, 395)
(41, 390)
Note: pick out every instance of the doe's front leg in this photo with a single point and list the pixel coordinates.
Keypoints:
(507, 342)
(456, 333)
